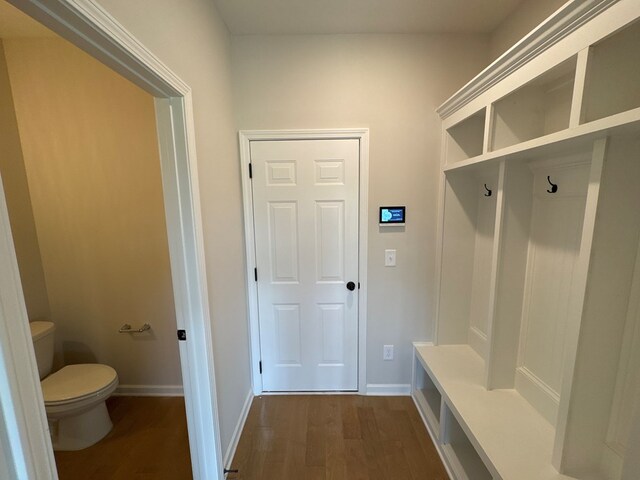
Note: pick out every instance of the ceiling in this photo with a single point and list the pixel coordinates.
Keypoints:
(363, 16)
(15, 24)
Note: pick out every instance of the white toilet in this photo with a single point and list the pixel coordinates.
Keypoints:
(74, 396)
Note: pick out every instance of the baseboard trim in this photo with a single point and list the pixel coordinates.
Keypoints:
(233, 445)
(149, 391)
(389, 389)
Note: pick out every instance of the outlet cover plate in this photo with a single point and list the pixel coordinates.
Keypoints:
(387, 352)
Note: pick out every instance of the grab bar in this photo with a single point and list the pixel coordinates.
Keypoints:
(126, 328)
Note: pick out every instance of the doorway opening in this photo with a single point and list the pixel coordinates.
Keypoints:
(28, 448)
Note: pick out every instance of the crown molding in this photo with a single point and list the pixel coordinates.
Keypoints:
(562, 23)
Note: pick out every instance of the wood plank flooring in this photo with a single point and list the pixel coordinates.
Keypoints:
(333, 437)
(297, 437)
(148, 441)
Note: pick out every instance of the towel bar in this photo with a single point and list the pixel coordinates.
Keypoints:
(126, 328)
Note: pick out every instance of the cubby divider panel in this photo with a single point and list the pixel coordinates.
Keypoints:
(428, 396)
(606, 385)
(463, 458)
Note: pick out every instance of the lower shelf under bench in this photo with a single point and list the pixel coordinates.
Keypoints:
(480, 434)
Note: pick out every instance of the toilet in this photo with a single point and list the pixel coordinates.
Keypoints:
(74, 396)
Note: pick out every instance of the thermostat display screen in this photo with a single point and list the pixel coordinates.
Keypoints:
(392, 215)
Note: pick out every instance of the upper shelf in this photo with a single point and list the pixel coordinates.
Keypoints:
(541, 107)
(590, 91)
(559, 141)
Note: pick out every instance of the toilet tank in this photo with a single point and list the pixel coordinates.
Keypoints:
(42, 336)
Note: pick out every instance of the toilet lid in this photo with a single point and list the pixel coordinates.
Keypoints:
(77, 381)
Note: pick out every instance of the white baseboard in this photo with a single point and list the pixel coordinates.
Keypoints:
(389, 389)
(235, 438)
(149, 391)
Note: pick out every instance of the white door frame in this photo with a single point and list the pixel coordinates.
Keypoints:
(90, 27)
(360, 134)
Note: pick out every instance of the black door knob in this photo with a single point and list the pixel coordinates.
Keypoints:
(351, 286)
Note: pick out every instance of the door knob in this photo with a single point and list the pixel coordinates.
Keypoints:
(351, 286)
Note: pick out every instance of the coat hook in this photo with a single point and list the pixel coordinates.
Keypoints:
(488, 194)
(554, 187)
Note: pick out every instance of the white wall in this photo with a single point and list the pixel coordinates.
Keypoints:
(524, 19)
(391, 84)
(190, 38)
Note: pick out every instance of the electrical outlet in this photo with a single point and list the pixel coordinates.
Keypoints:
(387, 352)
(389, 258)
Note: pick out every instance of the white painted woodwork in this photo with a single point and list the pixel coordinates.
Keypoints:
(614, 75)
(579, 84)
(554, 244)
(545, 383)
(482, 264)
(305, 203)
(606, 310)
(467, 250)
(89, 26)
(427, 395)
(511, 273)
(466, 139)
(462, 458)
(541, 107)
(510, 437)
(627, 389)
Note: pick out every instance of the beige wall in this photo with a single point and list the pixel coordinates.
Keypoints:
(524, 19)
(90, 151)
(391, 84)
(191, 39)
(23, 227)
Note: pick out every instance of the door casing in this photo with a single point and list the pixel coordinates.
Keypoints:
(91, 28)
(246, 137)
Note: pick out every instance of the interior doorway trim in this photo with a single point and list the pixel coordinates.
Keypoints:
(28, 446)
(360, 134)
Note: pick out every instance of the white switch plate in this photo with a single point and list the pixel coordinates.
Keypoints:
(387, 352)
(389, 258)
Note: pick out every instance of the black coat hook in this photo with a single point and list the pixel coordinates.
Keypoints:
(488, 194)
(554, 187)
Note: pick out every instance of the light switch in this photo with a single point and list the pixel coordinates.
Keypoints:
(389, 258)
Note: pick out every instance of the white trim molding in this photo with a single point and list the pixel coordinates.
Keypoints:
(389, 389)
(571, 16)
(245, 138)
(89, 26)
(237, 432)
(149, 391)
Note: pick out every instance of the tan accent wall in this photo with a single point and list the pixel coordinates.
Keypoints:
(190, 37)
(16, 188)
(91, 156)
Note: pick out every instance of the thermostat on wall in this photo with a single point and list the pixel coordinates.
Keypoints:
(392, 216)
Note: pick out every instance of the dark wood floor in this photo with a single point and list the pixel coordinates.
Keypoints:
(335, 437)
(148, 441)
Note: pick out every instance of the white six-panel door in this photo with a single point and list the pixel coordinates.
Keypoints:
(305, 199)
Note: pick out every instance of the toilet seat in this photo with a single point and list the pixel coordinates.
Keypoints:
(75, 383)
